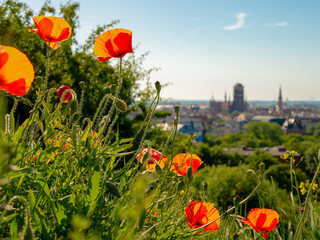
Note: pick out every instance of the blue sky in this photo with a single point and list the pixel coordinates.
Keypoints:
(204, 47)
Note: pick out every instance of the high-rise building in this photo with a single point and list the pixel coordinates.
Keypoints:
(238, 98)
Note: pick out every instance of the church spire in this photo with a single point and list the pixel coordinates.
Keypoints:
(280, 100)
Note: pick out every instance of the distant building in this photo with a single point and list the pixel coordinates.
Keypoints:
(238, 98)
(220, 107)
(293, 125)
(193, 126)
(267, 118)
(275, 152)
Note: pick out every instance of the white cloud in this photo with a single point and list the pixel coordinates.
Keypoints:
(281, 24)
(239, 24)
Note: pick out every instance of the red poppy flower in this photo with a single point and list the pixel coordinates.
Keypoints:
(16, 71)
(200, 213)
(113, 43)
(155, 157)
(67, 96)
(262, 219)
(52, 30)
(182, 161)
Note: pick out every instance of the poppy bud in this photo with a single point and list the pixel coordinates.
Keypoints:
(177, 109)
(112, 188)
(82, 84)
(158, 86)
(73, 106)
(75, 117)
(189, 173)
(158, 169)
(262, 167)
(142, 218)
(66, 96)
(121, 105)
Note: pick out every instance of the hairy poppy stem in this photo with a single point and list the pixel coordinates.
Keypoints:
(113, 106)
(45, 83)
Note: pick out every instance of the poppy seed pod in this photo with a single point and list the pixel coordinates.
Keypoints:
(112, 188)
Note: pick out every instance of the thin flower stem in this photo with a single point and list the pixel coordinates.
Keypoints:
(231, 209)
(296, 236)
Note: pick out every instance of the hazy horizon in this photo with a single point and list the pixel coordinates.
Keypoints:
(205, 47)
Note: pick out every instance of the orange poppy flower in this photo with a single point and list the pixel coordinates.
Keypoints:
(16, 71)
(52, 30)
(182, 161)
(262, 219)
(60, 92)
(200, 213)
(155, 157)
(113, 43)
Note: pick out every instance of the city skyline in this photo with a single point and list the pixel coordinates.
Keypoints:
(204, 48)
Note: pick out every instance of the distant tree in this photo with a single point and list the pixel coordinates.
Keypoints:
(162, 114)
(280, 173)
(258, 157)
(72, 63)
(224, 183)
(262, 134)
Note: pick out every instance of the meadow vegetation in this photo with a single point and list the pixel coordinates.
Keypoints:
(73, 166)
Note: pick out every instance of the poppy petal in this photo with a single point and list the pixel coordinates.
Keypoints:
(261, 220)
(53, 45)
(199, 214)
(265, 234)
(52, 29)
(45, 27)
(17, 88)
(16, 71)
(113, 43)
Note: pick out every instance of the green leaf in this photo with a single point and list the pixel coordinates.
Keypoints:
(95, 180)
(21, 129)
(14, 229)
(20, 172)
(32, 203)
(94, 191)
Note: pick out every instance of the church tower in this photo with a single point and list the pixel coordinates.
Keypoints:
(280, 101)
